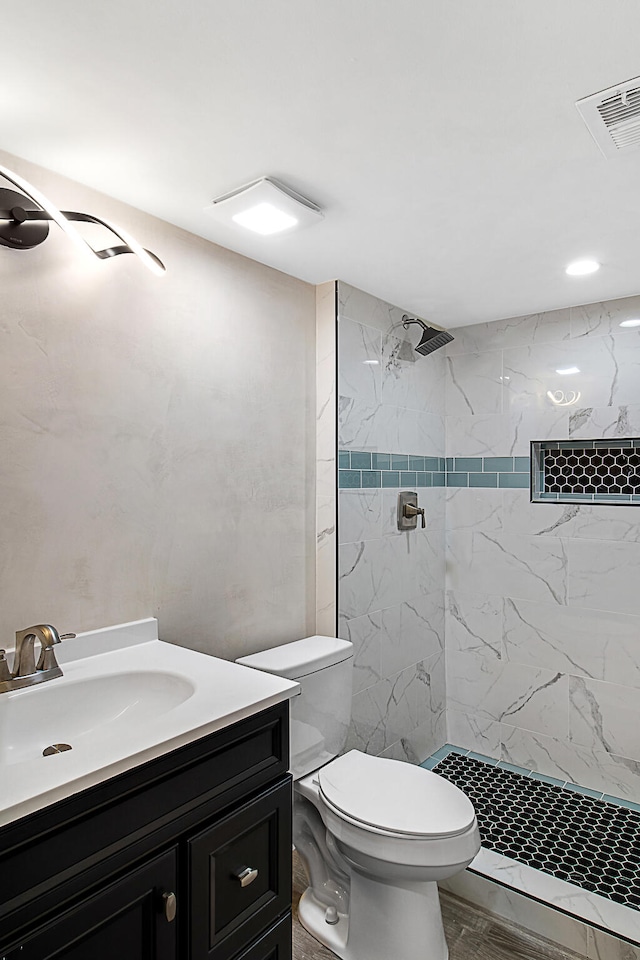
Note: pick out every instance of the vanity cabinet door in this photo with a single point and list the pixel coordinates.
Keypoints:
(131, 919)
(240, 875)
(274, 945)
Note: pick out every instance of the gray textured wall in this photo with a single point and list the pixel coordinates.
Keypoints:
(157, 437)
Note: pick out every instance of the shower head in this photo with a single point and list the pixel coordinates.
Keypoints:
(431, 340)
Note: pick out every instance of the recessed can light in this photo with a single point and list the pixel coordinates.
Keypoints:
(567, 370)
(630, 323)
(581, 268)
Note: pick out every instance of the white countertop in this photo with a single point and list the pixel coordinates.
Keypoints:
(184, 695)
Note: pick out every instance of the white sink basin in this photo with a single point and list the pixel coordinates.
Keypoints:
(85, 711)
(125, 697)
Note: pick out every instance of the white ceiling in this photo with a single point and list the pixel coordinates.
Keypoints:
(440, 136)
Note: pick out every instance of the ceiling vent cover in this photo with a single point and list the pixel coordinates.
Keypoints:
(613, 117)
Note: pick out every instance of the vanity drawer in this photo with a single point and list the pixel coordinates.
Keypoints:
(227, 908)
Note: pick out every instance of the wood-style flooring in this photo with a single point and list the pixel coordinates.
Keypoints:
(471, 933)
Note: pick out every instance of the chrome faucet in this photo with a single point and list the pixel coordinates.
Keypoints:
(26, 671)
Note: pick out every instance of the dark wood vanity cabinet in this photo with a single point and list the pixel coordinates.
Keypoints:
(187, 857)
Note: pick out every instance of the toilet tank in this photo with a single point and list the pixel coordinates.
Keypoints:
(321, 714)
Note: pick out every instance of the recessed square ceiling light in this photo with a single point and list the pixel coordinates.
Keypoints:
(266, 207)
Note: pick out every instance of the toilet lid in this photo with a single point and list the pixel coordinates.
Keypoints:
(394, 796)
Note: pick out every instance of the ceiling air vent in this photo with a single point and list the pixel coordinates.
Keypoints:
(613, 117)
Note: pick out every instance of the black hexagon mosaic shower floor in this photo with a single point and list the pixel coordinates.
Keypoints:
(590, 843)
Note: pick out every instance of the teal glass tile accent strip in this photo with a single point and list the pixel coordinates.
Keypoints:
(468, 464)
(409, 471)
(349, 479)
(363, 469)
(390, 478)
(586, 471)
(483, 479)
(497, 464)
(360, 461)
(514, 481)
(371, 478)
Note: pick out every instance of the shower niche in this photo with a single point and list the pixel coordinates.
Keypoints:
(586, 471)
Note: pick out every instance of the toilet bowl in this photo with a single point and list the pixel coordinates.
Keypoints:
(394, 830)
(375, 835)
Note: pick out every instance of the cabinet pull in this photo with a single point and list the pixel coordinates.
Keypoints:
(246, 876)
(169, 903)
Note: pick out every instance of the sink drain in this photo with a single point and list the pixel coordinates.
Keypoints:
(56, 748)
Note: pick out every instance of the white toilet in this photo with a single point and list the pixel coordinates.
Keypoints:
(375, 835)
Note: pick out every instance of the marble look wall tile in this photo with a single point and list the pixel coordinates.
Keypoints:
(517, 908)
(425, 739)
(570, 520)
(559, 758)
(501, 691)
(532, 698)
(411, 631)
(365, 308)
(467, 729)
(404, 430)
(411, 380)
(367, 635)
(364, 579)
(595, 423)
(548, 327)
(602, 645)
(474, 384)
(599, 319)
(502, 435)
(605, 716)
(325, 580)
(375, 574)
(360, 515)
(603, 946)
(586, 906)
(604, 579)
(359, 351)
(533, 568)
(480, 436)
(385, 712)
(603, 365)
(386, 428)
(474, 624)
(474, 509)
(539, 423)
(358, 425)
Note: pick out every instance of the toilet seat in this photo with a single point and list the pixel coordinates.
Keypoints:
(393, 798)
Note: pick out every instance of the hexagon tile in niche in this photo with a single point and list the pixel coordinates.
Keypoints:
(588, 842)
(596, 471)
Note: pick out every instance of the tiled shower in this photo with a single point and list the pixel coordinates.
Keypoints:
(542, 634)
(508, 628)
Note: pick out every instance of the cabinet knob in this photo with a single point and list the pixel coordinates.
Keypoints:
(169, 904)
(246, 876)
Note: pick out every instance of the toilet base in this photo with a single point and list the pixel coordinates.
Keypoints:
(400, 920)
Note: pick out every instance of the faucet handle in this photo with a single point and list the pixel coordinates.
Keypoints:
(49, 636)
(5, 673)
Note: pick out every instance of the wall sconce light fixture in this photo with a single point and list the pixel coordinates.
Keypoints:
(24, 224)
